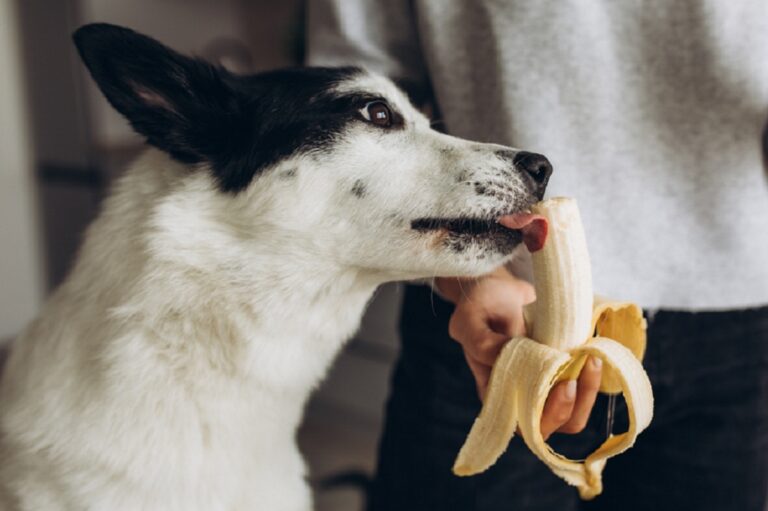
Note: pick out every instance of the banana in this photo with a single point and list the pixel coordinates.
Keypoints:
(567, 324)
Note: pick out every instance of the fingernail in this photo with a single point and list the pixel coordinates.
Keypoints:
(597, 363)
(570, 390)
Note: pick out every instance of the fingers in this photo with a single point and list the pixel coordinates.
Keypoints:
(527, 292)
(570, 402)
(482, 374)
(559, 406)
(481, 345)
(478, 340)
(486, 316)
(511, 324)
(587, 387)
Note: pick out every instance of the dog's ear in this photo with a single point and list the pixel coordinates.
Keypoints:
(183, 106)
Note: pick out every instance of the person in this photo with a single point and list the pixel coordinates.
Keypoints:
(654, 116)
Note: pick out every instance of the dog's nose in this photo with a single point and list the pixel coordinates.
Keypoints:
(534, 164)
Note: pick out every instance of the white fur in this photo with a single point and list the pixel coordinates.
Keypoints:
(170, 370)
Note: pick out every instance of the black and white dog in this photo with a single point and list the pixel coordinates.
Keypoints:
(226, 270)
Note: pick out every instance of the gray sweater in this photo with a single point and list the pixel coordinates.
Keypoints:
(654, 114)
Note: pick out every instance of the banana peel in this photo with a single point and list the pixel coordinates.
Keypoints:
(569, 324)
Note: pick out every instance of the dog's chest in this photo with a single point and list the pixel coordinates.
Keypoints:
(246, 424)
(295, 345)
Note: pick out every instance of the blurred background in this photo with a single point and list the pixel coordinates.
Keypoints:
(62, 145)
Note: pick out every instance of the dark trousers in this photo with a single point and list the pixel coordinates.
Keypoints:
(706, 449)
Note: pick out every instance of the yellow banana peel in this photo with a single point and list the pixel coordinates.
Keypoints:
(567, 324)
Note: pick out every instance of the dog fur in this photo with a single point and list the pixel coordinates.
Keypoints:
(224, 273)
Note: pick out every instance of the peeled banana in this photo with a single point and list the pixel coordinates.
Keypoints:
(567, 324)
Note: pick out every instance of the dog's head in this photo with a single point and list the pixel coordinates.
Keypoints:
(336, 158)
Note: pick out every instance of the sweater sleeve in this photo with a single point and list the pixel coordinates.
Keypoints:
(378, 35)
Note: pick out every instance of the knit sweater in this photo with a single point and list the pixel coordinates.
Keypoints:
(654, 114)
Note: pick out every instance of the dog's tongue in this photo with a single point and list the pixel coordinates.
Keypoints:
(534, 228)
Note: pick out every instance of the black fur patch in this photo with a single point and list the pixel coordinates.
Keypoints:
(198, 113)
(507, 156)
(359, 189)
(465, 231)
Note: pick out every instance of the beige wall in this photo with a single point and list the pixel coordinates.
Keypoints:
(21, 282)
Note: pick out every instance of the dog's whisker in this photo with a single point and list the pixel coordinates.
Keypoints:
(223, 277)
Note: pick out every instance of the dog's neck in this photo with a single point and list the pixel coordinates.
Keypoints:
(264, 309)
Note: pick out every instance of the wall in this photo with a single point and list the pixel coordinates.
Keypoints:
(21, 278)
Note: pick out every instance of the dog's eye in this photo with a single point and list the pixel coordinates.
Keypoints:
(378, 113)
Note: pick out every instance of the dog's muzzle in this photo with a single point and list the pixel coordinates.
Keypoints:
(535, 166)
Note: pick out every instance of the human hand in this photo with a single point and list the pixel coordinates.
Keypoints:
(489, 311)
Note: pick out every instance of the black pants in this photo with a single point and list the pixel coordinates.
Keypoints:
(706, 449)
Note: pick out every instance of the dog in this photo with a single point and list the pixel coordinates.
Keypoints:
(225, 271)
